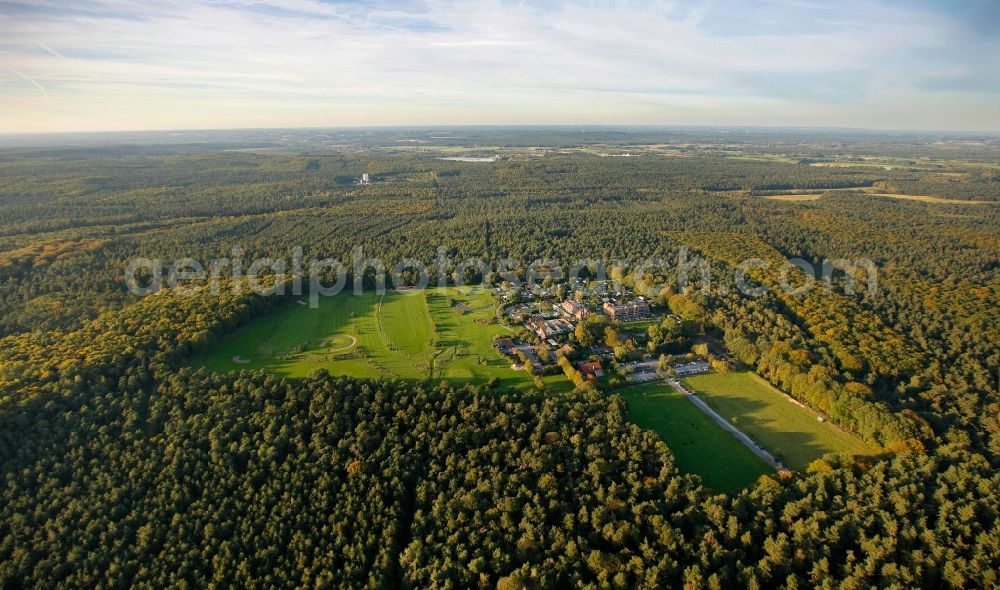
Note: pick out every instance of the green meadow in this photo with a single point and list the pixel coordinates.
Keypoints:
(790, 432)
(697, 443)
(438, 334)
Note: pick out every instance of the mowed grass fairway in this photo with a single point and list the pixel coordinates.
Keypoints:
(441, 333)
(788, 431)
(697, 443)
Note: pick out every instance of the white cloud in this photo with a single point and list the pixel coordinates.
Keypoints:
(119, 64)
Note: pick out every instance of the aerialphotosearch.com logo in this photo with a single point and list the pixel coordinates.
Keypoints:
(649, 277)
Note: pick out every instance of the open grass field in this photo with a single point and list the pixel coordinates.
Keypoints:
(798, 194)
(930, 199)
(641, 326)
(698, 444)
(443, 333)
(814, 195)
(788, 431)
(795, 197)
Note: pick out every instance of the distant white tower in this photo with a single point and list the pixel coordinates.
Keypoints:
(364, 179)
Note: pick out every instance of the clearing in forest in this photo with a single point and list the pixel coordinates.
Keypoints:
(787, 430)
(697, 443)
(795, 197)
(930, 199)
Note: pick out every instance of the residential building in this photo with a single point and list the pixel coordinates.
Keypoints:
(592, 369)
(632, 310)
(574, 309)
(504, 345)
(546, 328)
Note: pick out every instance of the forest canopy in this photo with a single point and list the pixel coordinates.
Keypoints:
(122, 466)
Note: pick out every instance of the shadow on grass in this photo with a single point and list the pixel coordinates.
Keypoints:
(788, 440)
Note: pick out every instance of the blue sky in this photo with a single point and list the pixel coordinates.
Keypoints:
(124, 64)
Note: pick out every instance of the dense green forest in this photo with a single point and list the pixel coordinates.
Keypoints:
(123, 468)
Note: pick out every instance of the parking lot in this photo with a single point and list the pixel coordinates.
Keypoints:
(643, 377)
(691, 368)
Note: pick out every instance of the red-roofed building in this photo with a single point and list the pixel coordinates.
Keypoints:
(593, 369)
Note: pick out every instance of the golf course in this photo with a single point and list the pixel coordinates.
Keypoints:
(439, 334)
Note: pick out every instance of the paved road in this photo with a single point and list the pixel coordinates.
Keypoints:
(722, 422)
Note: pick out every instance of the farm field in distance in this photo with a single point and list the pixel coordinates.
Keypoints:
(438, 333)
(698, 444)
(788, 431)
(795, 197)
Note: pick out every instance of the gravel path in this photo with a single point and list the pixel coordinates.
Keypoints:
(723, 423)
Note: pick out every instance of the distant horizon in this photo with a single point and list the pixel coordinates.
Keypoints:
(431, 126)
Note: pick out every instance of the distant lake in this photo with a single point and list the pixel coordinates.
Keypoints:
(468, 159)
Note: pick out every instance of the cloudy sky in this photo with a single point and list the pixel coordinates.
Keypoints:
(125, 64)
